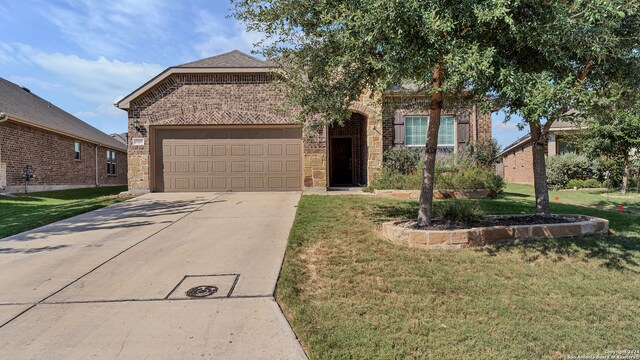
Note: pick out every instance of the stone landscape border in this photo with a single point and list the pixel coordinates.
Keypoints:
(438, 194)
(480, 236)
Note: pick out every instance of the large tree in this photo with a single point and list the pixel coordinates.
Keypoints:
(531, 56)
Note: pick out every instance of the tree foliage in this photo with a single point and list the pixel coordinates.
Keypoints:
(534, 58)
(613, 130)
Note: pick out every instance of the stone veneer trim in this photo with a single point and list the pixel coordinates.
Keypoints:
(481, 236)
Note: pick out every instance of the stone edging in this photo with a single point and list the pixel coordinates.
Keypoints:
(480, 236)
(438, 194)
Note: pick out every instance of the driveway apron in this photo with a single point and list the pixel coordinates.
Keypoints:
(113, 283)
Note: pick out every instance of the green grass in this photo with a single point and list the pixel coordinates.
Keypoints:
(350, 294)
(603, 199)
(23, 212)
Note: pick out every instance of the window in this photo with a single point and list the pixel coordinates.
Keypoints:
(76, 148)
(111, 162)
(564, 147)
(416, 131)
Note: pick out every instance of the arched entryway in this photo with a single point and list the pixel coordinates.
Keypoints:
(348, 155)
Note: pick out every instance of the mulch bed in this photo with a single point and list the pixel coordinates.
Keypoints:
(497, 220)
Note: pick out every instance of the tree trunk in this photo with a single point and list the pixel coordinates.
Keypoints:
(538, 144)
(625, 175)
(426, 192)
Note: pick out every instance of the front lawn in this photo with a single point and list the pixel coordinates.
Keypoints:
(599, 198)
(23, 212)
(350, 294)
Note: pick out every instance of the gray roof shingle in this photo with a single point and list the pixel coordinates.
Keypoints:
(19, 102)
(233, 59)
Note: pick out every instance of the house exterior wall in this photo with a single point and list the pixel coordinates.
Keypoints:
(52, 158)
(518, 165)
(469, 124)
(201, 99)
(257, 99)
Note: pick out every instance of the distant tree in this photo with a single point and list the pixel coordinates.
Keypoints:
(534, 57)
(482, 152)
(614, 131)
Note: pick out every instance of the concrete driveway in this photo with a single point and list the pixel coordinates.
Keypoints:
(112, 283)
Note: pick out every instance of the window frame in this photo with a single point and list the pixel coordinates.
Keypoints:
(455, 132)
(112, 168)
(77, 151)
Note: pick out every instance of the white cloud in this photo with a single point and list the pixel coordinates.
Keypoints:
(107, 27)
(97, 83)
(96, 80)
(501, 125)
(31, 81)
(217, 36)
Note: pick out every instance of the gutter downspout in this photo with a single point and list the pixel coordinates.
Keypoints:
(97, 173)
(3, 118)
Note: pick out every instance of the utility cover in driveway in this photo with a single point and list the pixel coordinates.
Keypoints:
(231, 159)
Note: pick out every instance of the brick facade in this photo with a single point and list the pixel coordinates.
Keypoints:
(201, 99)
(518, 165)
(257, 99)
(51, 156)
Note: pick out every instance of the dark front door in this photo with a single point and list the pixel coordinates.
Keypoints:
(341, 161)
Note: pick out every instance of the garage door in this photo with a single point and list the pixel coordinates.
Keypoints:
(233, 159)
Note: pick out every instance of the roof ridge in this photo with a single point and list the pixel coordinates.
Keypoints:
(225, 60)
(23, 104)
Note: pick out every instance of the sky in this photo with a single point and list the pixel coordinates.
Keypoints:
(84, 55)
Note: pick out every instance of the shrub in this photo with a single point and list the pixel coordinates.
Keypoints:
(575, 183)
(455, 213)
(448, 176)
(402, 160)
(388, 179)
(562, 168)
(482, 152)
(592, 183)
(608, 184)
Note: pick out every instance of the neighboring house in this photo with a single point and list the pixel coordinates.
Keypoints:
(62, 151)
(123, 137)
(517, 158)
(217, 125)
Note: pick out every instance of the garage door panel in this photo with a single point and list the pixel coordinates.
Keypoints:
(182, 184)
(181, 150)
(219, 150)
(230, 159)
(201, 150)
(293, 149)
(293, 166)
(219, 184)
(293, 183)
(201, 183)
(181, 166)
(256, 183)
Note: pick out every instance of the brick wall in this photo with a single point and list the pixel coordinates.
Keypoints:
(421, 105)
(52, 158)
(202, 99)
(257, 99)
(518, 165)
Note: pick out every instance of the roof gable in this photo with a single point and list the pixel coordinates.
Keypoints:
(231, 62)
(232, 59)
(22, 105)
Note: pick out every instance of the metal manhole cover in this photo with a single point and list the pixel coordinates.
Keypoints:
(201, 291)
